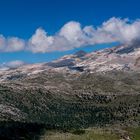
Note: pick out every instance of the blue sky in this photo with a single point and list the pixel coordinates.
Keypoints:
(21, 18)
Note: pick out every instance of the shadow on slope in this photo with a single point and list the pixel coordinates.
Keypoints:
(20, 131)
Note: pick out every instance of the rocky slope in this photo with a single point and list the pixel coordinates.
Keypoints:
(120, 58)
(117, 58)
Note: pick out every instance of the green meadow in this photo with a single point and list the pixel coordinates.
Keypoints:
(94, 134)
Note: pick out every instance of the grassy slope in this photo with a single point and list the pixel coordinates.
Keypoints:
(95, 134)
(134, 133)
(87, 136)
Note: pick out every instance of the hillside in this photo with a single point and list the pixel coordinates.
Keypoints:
(76, 91)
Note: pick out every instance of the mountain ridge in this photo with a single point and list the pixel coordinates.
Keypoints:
(121, 58)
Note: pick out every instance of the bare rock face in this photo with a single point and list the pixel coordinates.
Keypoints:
(137, 63)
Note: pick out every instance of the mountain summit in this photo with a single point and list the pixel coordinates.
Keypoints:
(123, 57)
(80, 53)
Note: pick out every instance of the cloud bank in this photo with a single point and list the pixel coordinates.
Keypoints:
(74, 35)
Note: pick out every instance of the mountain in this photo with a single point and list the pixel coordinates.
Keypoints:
(120, 58)
(78, 90)
(80, 53)
(117, 58)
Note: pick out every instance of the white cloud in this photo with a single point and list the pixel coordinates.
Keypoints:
(71, 31)
(15, 44)
(11, 44)
(13, 64)
(40, 41)
(70, 36)
(73, 35)
(97, 36)
(123, 31)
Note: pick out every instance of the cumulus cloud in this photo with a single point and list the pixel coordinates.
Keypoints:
(74, 35)
(40, 41)
(123, 31)
(11, 44)
(70, 36)
(15, 44)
